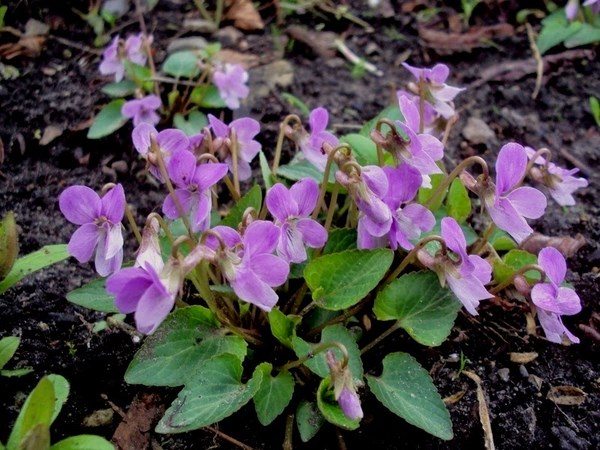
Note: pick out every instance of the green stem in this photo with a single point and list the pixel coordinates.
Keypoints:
(132, 224)
(319, 348)
(410, 256)
(280, 137)
(380, 338)
(483, 240)
(521, 271)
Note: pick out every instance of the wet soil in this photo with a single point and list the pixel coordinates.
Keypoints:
(60, 87)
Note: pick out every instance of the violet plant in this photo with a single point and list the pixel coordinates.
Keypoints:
(188, 83)
(244, 299)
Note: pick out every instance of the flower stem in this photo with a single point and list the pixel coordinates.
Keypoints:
(531, 162)
(280, 137)
(332, 205)
(330, 156)
(410, 256)
(234, 158)
(421, 105)
(483, 240)
(380, 338)
(521, 271)
(132, 224)
(319, 348)
(163, 225)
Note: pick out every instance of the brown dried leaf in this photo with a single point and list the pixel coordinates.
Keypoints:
(248, 60)
(567, 245)
(244, 15)
(135, 429)
(484, 414)
(50, 133)
(566, 395)
(523, 358)
(460, 42)
(452, 399)
(321, 42)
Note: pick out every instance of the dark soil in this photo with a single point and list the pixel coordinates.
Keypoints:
(57, 338)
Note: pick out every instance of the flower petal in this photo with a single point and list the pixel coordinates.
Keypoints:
(506, 217)
(469, 290)
(181, 168)
(105, 266)
(318, 120)
(305, 194)
(172, 141)
(454, 237)
(554, 264)
(280, 203)
(83, 242)
(141, 137)
(313, 233)
(410, 112)
(127, 286)
(554, 328)
(229, 236)
(208, 174)
(114, 240)
(169, 207)
(528, 201)
(153, 307)
(250, 288)
(404, 182)
(245, 128)
(201, 211)
(261, 236)
(113, 204)
(270, 268)
(79, 204)
(510, 167)
(219, 127)
(376, 180)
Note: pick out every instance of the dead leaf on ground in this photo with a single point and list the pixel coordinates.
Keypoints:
(566, 395)
(50, 133)
(484, 414)
(99, 418)
(448, 42)
(135, 429)
(30, 42)
(321, 42)
(244, 15)
(567, 245)
(248, 60)
(523, 358)
(452, 399)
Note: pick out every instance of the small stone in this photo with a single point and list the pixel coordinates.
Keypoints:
(523, 371)
(99, 418)
(504, 374)
(478, 132)
(187, 43)
(229, 36)
(199, 25)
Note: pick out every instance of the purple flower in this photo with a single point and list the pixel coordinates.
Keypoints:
(560, 182)
(350, 404)
(437, 92)
(247, 148)
(231, 82)
(429, 114)
(594, 5)
(409, 220)
(99, 221)
(420, 150)
(142, 110)
(468, 276)
(291, 209)
(193, 182)
(509, 205)
(571, 9)
(551, 299)
(114, 55)
(168, 141)
(248, 262)
(311, 143)
(368, 189)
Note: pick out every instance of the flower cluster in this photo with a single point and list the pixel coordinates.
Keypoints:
(119, 51)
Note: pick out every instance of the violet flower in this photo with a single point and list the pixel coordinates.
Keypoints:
(420, 150)
(247, 148)
(248, 262)
(509, 205)
(571, 9)
(430, 115)
(291, 209)
(231, 81)
(468, 276)
(551, 299)
(368, 189)
(594, 5)
(193, 182)
(311, 143)
(409, 220)
(561, 183)
(350, 404)
(142, 110)
(114, 55)
(344, 389)
(437, 92)
(169, 142)
(99, 221)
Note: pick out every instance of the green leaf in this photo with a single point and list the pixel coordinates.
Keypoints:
(37, 410)
(183, 64)
(391, 112)
(339, 240)
(3, 10)
(265, 170)
(119, 89)
(341, 280)
(83, 442)
(595, 109)
(273, 395)
(556, 29)
(194, 123)
(330, 408)
(8, 347)
(37, 438)
(301, 168)
(26, 265)
(94, 296)
(140, 75)
(421, 306)
(586, 34)
(283, 327)
(406, 389)
(61, 393)
(178, 350)
(8, 373)
(215, 392)
(458, 203)
(309, 420)
(513, 261)
(426, 193)
(332, 333)
(108, 120)
(295, 102)
(501, 240)
(207, 96)
(252, 199)
(9, 243)
(363, 148)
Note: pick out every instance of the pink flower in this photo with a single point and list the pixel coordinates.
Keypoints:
(169, 142)
(114, 55)
(142, 110)
(468, 276)
(437, 92)
(409, 220)
(291, 209)
(231, 82)
(248, 262)
(193, 182)
(551, 299)
(350, 404)
(247, 148)
(560, 182)
(311, 143)
(594, 5)
(99, 221)
(509, 205)
(571, 9)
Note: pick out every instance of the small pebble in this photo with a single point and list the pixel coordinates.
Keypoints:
(523, 371)
(504, 373)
